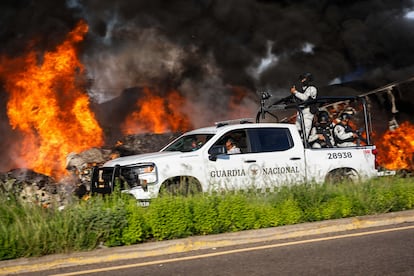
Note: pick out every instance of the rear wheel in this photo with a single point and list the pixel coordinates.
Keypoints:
(342, 175)
(180, 186)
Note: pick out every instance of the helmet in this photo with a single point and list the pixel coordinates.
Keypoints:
(307, 76)
(345, 116)
(349, 110)
(323, 117)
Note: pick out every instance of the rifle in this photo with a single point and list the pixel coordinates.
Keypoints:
(327, 138)
(324, 132)
(286, 100)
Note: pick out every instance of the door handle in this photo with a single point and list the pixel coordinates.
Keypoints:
(250, 161)
(295, 158)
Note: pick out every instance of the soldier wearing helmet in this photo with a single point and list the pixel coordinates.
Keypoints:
(309, 92)
(344, 135)
(321, 134)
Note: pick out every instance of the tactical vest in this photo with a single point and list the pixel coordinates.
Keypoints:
(347, 130)
(326, 132)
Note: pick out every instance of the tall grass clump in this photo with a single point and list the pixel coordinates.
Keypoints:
(97, 221)
(11, 227)
(28, 229)
(382, 195)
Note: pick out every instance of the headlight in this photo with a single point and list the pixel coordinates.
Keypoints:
(139, 175)
(147, 174)
(146, 169)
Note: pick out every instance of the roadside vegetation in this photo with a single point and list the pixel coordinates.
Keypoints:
(30, 230)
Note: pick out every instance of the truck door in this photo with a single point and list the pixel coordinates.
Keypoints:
(274, 159)
(228, 171)
(268, 158)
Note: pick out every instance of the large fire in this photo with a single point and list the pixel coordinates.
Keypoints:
(49, 106)
(156, 114)
(396, 148)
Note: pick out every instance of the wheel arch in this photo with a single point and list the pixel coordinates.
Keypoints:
(183, 184)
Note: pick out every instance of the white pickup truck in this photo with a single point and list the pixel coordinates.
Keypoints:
(272, 154)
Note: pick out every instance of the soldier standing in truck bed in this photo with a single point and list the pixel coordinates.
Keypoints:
(309, 92)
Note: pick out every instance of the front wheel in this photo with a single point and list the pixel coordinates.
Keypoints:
(180, 186)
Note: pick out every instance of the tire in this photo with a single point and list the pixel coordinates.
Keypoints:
(342, 175)
(180, 186)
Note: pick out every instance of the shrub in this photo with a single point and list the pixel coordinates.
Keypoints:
(336, 207)
(266, 216)
(235, 214)
(289, 211)
(205, 213)
(169, 217)
(136, 230)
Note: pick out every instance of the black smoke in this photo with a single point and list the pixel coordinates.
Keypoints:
(204, 45)
(345, 36)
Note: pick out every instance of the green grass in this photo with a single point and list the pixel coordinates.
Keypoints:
(31, 230)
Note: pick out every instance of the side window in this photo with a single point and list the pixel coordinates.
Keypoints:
(188, 142)
(239, 137)
(270, 139)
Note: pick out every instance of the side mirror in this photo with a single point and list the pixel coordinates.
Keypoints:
(215, 151)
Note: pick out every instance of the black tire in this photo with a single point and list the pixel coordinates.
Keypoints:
(266, 117)
(180, 186)
(342, 175)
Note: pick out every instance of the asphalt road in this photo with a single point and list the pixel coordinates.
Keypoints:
(373, 245)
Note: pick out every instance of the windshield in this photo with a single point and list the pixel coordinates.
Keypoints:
(189, 143)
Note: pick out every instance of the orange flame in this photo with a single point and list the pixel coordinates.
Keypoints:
(396, 148)
(49, 106)
(157, 114)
